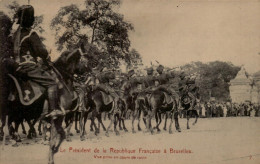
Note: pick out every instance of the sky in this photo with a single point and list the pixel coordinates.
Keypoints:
(175, 32)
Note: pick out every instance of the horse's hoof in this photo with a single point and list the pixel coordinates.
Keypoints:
(91, 130)
(117, 133)
(133, 131)
(78, 131)
(139, 129)
(19, 140)
(29, 136)
(120, 128)
(107, 134)
(24, 132)
(68, 139)
(188, 127)
(82, 138)
(152, 132)
(96, 133)
(125, 130)
(154, 128)
(15, 145)
(71, 134)
(170, 132)
(40, 133)
(179, 130)
(164, 129)
(45, 142)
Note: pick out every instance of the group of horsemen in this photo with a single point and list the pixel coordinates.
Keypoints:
(121, 86)
(28, 47)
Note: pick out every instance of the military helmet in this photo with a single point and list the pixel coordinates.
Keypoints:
(160, 68)
(25, 15)
(149, 71)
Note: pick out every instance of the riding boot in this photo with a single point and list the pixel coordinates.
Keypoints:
(53, 102)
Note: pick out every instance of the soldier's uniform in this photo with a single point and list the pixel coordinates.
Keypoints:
(163, 80)
(27, 48)
(149, 81)
(80, 88)
(104, 78)
(186, 87)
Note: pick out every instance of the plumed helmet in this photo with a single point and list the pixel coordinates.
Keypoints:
(25, 16)
(160, 68)
(149, 71)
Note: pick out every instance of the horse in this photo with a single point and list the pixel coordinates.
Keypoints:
(157, 106)
(65, 66)
(95, 105)
(186, 104)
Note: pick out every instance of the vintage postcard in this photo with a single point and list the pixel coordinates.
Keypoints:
(130, 81)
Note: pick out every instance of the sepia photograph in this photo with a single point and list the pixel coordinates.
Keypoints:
(129, 81)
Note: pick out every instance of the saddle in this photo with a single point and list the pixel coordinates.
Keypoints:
(26, 91)
(106, 98)
(168, 99)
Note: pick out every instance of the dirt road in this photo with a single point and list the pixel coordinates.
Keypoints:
(216, 140)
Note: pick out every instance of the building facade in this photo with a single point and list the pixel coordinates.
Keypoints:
(245, 87)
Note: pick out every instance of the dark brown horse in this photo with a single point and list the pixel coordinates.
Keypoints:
(96, 106)
(65, 66)
(157, 106)
(187, 106)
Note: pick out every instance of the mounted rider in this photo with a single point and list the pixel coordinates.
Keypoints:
(163, 81)
(104, 83)
(149, 80)
(187, 87)
(27, 48)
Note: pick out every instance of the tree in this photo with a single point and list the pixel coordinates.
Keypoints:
(213, 78)
(98, 24)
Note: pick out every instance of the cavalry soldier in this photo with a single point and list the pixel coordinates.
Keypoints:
(186, 86)
(27, 48)
(105, 77)
(80, 88)
(163, 80)
(149, 80)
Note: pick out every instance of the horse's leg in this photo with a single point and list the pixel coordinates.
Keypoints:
(125, 129)
(57, 137)
(77, 115)
(112, 117)
(165, 122)
(68, 122)
(16, 134)
(156, 119)
(160, 120)
(188, 118)
(196, 117)
(133, 120)
(120, 121)
(102, 124)
(177, 126)
(24, 131)
(40, 127)
(93, 122)
(115, 124)
(139, 120)
(45, 137)
(82, 124)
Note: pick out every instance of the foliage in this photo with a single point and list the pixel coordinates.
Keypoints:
(98, 24)
(213, 78)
